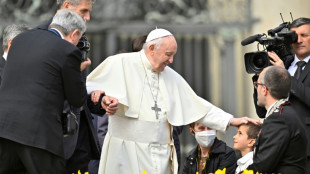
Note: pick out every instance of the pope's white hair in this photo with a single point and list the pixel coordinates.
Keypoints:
(157, 42)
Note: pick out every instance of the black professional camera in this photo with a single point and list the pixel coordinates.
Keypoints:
(70, 123)
(84, 46)
(280, 41)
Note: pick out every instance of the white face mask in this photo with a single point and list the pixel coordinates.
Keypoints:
(205, 138)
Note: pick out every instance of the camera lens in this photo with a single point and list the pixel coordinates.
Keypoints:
(255, 62)
(259, 61)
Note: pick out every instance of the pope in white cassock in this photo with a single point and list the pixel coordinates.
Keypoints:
(152, 97)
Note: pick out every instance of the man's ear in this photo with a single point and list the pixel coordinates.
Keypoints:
(73, 37)
(75, 33)
(265, 90)
(152, 47)
(66, 4)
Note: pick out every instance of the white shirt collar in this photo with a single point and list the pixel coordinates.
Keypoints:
(58, 32)
(245, 158)
(297, 60)
(5, 55)
(293, 67)
(244, 162)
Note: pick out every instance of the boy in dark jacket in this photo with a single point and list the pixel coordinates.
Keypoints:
(210, 155)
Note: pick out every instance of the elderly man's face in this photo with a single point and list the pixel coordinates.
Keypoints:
(164, 55)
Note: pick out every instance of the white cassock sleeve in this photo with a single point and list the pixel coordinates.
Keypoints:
(216, 112)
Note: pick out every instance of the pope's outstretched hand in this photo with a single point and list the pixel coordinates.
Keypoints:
(243, 120)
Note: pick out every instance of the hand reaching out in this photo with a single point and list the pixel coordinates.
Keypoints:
(85, 64)
(109, 104)
(243, 120)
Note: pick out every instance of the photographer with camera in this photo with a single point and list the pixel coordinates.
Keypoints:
(299, 68)
(82, 146)
(34, 87)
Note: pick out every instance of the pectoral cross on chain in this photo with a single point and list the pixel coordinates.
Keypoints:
(156, 109)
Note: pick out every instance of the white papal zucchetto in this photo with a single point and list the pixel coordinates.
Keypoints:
(157, 33)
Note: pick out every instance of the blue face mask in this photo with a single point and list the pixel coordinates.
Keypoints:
(205, 138)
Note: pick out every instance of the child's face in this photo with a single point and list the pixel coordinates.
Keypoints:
(241, 141)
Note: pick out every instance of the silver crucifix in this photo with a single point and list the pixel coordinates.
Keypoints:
(156, 109)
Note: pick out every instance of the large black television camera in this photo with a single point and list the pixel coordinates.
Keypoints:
(278, 40)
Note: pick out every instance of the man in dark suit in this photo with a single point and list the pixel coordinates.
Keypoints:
(44, 68)
(282, 143)
(9, 33)
(83, 146)
(300, 91)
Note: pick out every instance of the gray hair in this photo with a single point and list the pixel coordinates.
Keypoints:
(156, 42)
(278, 82)
(74, 3)
(11, 31)
(299, 22)
(67, 21)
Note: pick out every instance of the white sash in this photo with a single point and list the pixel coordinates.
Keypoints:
(132, 129)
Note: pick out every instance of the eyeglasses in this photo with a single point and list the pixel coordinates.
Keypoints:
(256, 84)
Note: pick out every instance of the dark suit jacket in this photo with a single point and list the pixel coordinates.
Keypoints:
(281, 144)
(42, 70)
(2, 64)
(299, 98)
(70, 142)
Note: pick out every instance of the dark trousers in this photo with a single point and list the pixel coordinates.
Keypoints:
(93, 165)
(20, 159)
(80, 158)
(308, 165)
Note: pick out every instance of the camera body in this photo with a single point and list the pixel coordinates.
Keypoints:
(279, 41)
(70, 123)
(84, 46)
